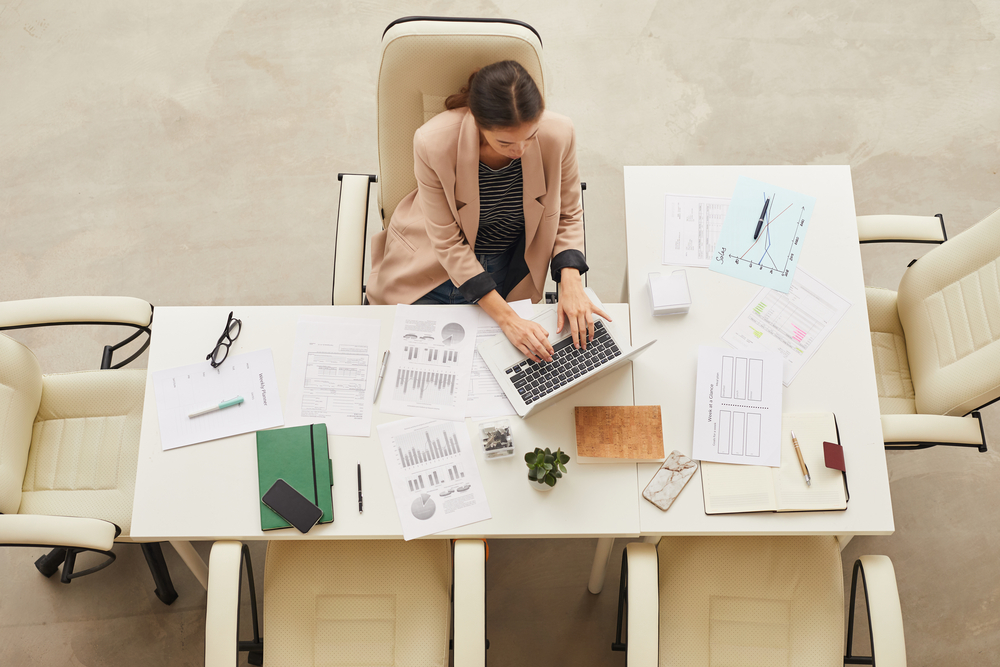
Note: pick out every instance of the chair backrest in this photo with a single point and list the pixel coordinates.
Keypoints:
(949, 306)
(424, 60)
(20, 396)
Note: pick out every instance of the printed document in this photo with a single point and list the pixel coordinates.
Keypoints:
(691, 227)
(737, 407)
(334, 366)
(762, 236)
(189, 389)
(486, 398)
(794, 325)
(430, 361)
(434, 476)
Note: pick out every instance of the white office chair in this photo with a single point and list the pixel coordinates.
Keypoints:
(424, 60)
(752, 601)
(69, 443)
(936, 341)
(331, 602)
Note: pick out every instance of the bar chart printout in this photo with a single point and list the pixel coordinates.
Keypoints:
(793, 325)
(430, 361)
(434, 477)
(738, 407)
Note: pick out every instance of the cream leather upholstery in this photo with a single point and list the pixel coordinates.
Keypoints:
(73, 439)
(331, 602)
(936, 341)
(892, 369)
(422, 63)
(915, 228)
(749, 601)
(75, 309)
(69, 443)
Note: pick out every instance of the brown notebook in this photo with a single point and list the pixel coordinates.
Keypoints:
(626, 434)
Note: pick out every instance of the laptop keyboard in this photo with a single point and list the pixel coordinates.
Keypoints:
(534, 380)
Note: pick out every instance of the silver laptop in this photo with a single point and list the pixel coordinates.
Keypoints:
(531, 387)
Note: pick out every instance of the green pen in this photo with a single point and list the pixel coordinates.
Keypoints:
(221, 406)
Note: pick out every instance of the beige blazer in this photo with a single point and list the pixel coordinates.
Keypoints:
(432, 232)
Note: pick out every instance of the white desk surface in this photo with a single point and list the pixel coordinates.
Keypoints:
(210, 491)
(840, 378)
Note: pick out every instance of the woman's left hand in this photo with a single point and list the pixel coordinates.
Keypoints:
(576, 308)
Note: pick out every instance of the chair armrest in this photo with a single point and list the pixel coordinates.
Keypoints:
(901, 228)
(882, 598)
(470, 603)
(643, 605)
(222, 614)
(349, 248)
(932, 429)
(57, 531)
(75, 310)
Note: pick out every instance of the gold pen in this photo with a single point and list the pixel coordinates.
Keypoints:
(802, 461)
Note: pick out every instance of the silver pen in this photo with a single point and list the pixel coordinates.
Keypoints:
(381, 374)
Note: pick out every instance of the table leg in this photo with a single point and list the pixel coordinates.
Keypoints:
(652, 539)
(597, 570)
(844, 540)
(194, 562)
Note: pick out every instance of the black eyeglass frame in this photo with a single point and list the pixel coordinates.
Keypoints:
(225, 340)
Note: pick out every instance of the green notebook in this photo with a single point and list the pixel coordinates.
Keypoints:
(300, 456)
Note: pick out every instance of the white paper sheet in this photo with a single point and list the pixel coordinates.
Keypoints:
(691, 226)
(334, 366)
(737, 407)
(794, 325)
(187, 389)
(434, 476)
(430, 361)
(486, 398)
(769, 259)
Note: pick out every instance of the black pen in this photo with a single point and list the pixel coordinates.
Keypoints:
(361, 500)
(760, 223)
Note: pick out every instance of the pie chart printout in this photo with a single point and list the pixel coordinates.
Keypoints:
(452, 333)
(423, 507)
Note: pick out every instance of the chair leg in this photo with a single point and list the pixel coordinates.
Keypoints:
(158, 568)
(50, 562)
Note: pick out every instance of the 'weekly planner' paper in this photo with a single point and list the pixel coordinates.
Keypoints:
(771, 258)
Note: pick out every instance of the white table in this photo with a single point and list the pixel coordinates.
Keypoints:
(209, 491)
(840, 378)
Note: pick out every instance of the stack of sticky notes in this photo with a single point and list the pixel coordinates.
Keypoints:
(669, 294)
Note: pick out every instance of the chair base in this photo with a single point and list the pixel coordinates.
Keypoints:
(158, 568)
(48, 564)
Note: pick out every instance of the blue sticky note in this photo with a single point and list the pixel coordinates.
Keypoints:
(771, 258)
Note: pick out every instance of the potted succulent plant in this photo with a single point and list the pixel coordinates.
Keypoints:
(545, 467)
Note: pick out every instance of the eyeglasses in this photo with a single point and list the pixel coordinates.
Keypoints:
(228, 337)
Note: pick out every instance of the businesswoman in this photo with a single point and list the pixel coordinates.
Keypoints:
(497, 200)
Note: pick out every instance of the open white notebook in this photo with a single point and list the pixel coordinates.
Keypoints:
(730, 488)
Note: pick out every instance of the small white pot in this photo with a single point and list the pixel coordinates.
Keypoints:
(540, 487)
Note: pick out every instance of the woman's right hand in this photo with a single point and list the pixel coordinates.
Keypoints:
(529, 337)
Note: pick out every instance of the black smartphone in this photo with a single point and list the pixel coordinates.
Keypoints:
(292, 506)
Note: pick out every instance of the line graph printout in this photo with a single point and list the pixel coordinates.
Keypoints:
(738, 407)
(333, 374)
(434, 477)
(793, 325)
(769, 260)
(430, 361)
(691, 226)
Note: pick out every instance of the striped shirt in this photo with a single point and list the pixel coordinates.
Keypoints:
(501, 208)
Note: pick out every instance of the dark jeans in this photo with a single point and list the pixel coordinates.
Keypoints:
(448, 293)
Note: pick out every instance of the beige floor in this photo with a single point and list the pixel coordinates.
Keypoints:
(187, 152)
